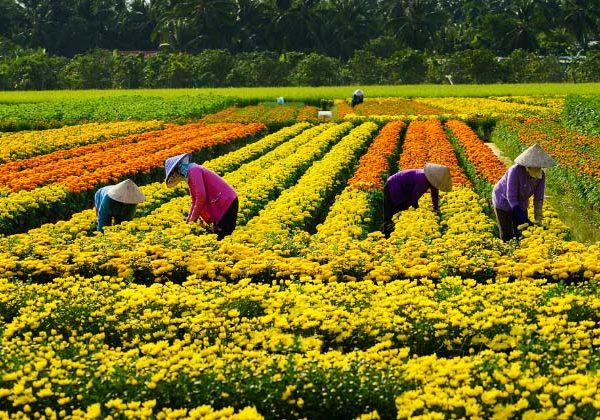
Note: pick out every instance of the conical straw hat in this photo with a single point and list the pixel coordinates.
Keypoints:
(126, 192)
(535, 157)
(438, 176)
(172, 162)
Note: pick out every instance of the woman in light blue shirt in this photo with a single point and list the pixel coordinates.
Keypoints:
(117, 203)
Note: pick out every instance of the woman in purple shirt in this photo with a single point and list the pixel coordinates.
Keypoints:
(511, 194)
(213, 199)
(403, 190)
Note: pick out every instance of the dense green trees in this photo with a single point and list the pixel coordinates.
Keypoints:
(99, 69)
(335, 28)
(277, 42)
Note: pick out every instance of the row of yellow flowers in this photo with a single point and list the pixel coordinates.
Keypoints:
(491, 107)
(555, 103)
(335, 245)
(76, 343)
(25, 144)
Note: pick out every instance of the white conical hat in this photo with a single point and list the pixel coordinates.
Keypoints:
(438, 176)
(535, 157)
(126, 192)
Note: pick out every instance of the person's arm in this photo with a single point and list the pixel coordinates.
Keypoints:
(435, 199)
(512, 195)
(130, 212)
(512, 187)
(197, 193)
(538, 199)
(104, 213)
(538, 211)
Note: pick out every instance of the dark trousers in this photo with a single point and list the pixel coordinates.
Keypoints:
(507, 225)
(227, 223)
(388, 212)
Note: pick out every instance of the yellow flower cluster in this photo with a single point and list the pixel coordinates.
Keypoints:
(556, 104)
(75, 341)
(17, 205)
(489, 107)
(24, 144)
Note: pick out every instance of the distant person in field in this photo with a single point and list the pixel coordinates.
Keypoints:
(116, 203)
(357, 97)
(213, 199)
(511, 194)
(403, 190)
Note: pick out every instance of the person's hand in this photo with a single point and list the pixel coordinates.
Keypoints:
(520, 216)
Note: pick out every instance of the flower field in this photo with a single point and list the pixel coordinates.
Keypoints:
(306, 310)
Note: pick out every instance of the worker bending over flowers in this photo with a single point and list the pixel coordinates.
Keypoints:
(213, 199)
(403, 190)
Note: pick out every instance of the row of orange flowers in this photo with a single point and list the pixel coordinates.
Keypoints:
(34, 162)
(375, 163)
(395, 106)
(426, 141)
(108, 164)
(135, 162)
(308, 113)
(487, 164)
(568, 147)
(266, 114)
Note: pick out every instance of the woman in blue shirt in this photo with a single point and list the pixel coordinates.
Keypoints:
(116, 203)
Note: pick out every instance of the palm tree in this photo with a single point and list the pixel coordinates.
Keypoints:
(581, 19)
(523, 18)
(348, 26)
(296, 24)
(253, 19)
(416, 22)
(194, 25)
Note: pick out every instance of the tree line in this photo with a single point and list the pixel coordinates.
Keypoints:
(335, 28)
(102, 69)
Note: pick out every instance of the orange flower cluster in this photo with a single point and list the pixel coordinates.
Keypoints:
(426, 141)
(263, 113)
(342, 108)
(104, 164)
(395, 106)
(374, 164)
(483, 159)
(308, 113)
(570, 148)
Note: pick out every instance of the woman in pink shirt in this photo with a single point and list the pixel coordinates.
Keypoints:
(213, 199)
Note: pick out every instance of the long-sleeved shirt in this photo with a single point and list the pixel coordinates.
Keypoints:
(108, 209)
(406, 187)
(211, 195)
(516, 187)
